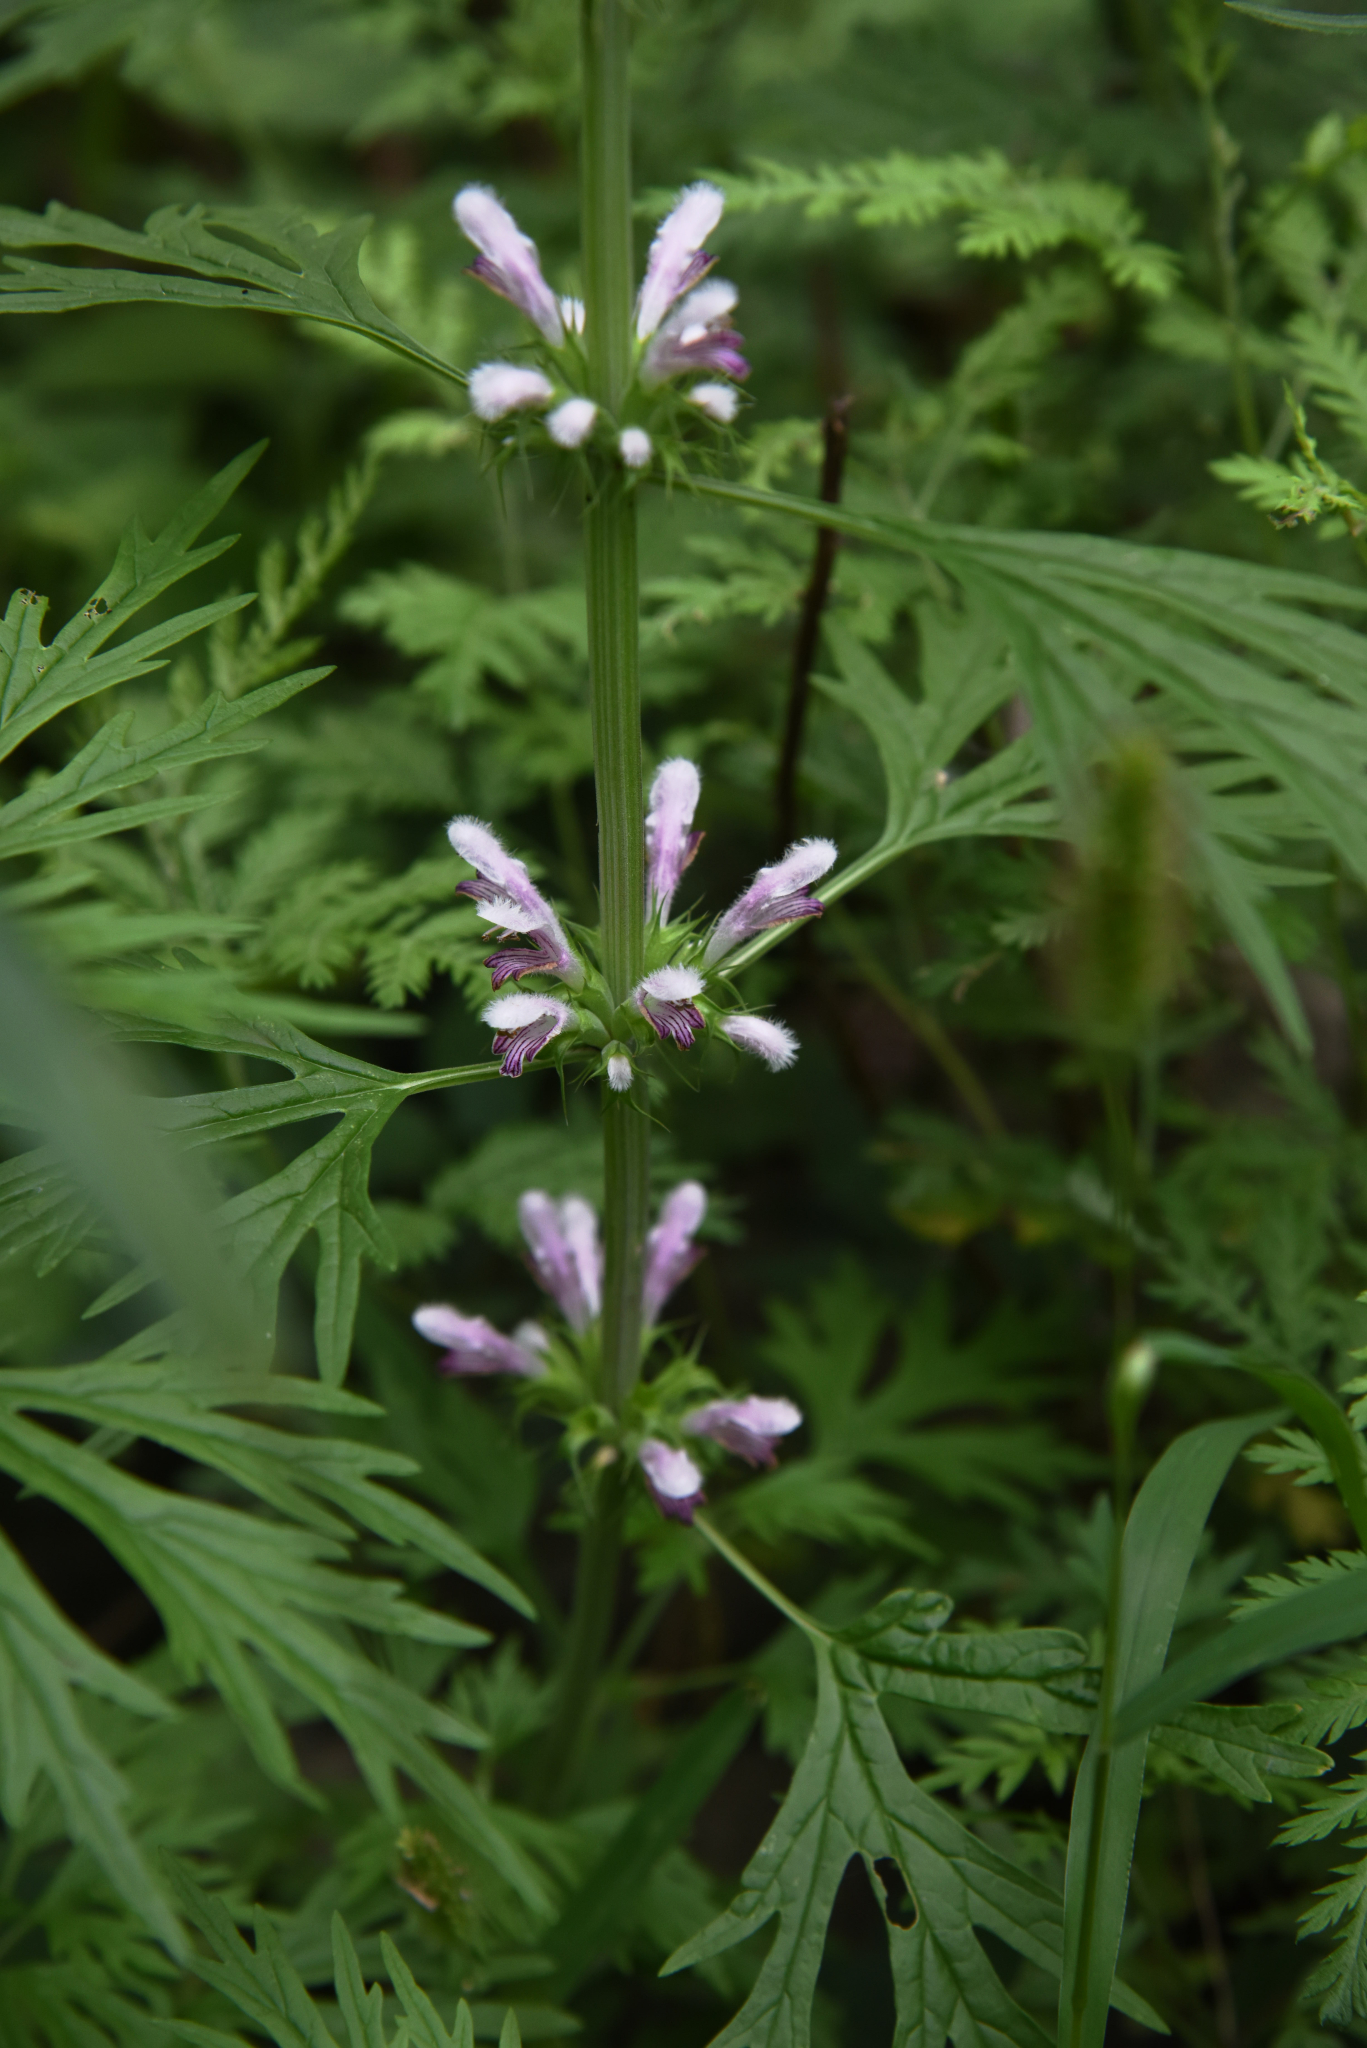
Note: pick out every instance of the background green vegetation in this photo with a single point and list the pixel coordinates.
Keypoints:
(1099, 1072)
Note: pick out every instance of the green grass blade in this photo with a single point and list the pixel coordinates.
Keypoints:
(1161, 1539)
(1320, 24)
(612, 1889)
(1308, 1619)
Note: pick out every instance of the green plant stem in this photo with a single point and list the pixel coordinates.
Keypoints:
(756, 1578)
(1123, 1417)
(614, 661)
(586, 1642)
(612, 596)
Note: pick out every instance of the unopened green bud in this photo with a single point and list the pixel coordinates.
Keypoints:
(1130, 1389)
(1126, 935)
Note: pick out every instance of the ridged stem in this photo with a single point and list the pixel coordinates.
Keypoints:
(612, 593)
(614, 660)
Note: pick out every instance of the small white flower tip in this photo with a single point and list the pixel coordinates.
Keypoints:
(438, 1323)
(672, 1477)
(570, 425)
(718, 401)
(572, 313)
(671, 984)
(633, 445)
(476, 842)
(676, 782)
(513, 1012)
(773, 1043)
(619, 1073)
(497, 389)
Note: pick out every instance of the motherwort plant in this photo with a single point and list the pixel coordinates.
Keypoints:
(1098, 753)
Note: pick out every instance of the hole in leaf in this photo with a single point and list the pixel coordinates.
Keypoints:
(898, 1903)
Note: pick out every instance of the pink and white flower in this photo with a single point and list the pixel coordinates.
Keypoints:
(780, 894)
(670, 845)
(497, 389)
(511, 902)
(523, 1024)
(677, 259)
(750, 1427)
(507, 260)
(673, 1479)
(671, 1253)
(719, 401)
(635, 447)
(773, 1043)
(570, 425)
(472, 1344)
(665, 1000)
(562, 1238)
(697, 336)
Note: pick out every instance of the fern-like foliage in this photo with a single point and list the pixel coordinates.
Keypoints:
(1006, 212)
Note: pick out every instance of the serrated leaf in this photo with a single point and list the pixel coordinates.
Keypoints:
(850, 1796)
(43, 1659)
(235, 1591)
(36, 682)
(1241, 1748)
(918, 742)
(252, 258)
(41, 818)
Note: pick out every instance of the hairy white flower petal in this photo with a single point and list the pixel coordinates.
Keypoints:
(634, 447)
(718, 401)
(497, 389)
(570, 425)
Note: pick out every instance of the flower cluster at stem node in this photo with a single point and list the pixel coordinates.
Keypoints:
(565, 1255)
(682, 326)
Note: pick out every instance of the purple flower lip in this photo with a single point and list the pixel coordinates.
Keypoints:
(670, 845)
(750, 1427)
(512, 962)
(566, 1257)
(674, 1480)
(522, 1024)
(697, 336)
(507, 261)
(780, 894)
(671, 1253)
(511, 902)
(664, 999)
(474, 1346)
